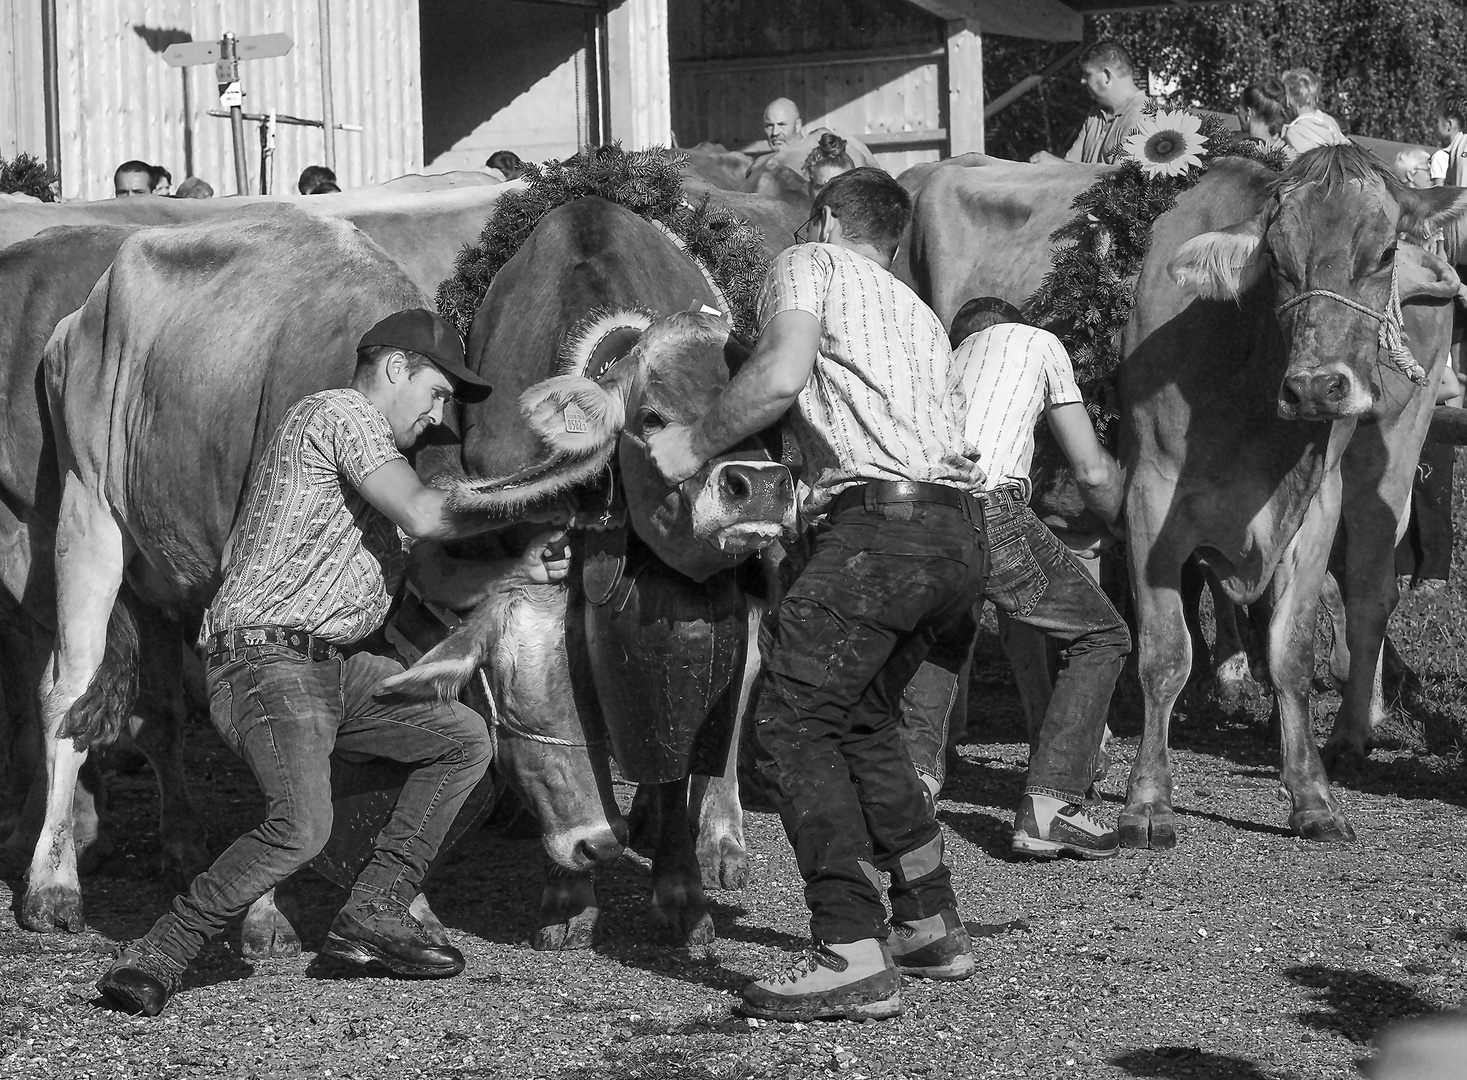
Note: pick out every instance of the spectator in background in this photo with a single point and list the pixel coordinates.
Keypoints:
(507, 163)
(1109, 75)
(1310, 127)
(1413, 168)
(132, 178)
(314, 178)
(1449, 164)
(782, 123)
(162, 180)
(194, 188)
(1262, 113)
(827, 161)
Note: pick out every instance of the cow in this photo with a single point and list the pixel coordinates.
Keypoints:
(589, 313)
(987, 231)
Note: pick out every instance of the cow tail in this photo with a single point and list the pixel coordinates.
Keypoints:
(96, 718)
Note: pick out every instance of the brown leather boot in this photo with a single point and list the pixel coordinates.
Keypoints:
(380, 932)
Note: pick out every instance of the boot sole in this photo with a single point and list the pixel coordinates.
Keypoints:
(123, 999)
(1052, 849)
(955, 970)
(361, 954)
(884, 1009)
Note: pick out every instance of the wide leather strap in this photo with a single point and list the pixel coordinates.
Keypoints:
(876, 492)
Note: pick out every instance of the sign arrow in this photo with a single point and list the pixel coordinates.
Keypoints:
(259, 47)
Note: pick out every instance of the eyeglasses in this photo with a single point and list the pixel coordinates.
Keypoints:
(802, 234)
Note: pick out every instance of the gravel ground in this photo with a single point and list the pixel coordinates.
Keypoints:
(1245, 953)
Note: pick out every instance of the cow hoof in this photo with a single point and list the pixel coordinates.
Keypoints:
(577, 932)
(51, 908)
(1152, 829)
(1343, 760)
(723, 865)
(269, 936)
(1327, 826)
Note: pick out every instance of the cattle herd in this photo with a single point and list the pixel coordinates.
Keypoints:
(148, 347)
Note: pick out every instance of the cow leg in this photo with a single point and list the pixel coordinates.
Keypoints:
(722, 858)
(89, 562)
(268, 932)
(677, 883)
(1295, 594)
(1370, 596)
(1339, 655)
(568, 910)
(1194, 581)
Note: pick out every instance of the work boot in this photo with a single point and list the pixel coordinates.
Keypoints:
(855, 981)
(936, 947)
(380, 932)
(1046, 828)
(140, 980)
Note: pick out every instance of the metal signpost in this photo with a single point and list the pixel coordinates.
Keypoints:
(225, 55)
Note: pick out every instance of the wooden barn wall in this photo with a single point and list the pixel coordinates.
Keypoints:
(119, 100)
(869, 68)
(22, 94)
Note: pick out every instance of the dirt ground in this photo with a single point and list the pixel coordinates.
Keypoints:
(1244, 954)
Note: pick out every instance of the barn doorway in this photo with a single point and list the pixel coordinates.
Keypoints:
(521, 75)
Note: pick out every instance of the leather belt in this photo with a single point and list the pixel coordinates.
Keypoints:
(307, 646)
(875, 492)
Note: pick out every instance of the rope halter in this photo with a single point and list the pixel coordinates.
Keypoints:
(1391, 338)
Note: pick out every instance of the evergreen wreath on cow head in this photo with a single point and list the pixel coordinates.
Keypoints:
(26, 175)
(649, 183)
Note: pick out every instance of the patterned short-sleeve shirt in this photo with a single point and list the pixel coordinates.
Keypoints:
(310, 553)
(878, 404)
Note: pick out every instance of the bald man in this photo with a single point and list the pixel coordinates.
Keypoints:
(782, 123)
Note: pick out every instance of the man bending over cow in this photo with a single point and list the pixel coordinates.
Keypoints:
(861, 365)
(317, 556)
(1012, 374)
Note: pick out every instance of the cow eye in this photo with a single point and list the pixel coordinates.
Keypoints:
(1387, 256)
(651, 420)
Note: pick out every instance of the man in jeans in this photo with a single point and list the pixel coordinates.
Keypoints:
(1011, 374)
(316, 558)
(862, 367)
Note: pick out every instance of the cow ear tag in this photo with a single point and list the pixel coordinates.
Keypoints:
(574, 418)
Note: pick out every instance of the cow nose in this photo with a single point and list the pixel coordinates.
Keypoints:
(599, 848)
(1296, 388)
(1329, 388)
(750, 484)
(1313, 392)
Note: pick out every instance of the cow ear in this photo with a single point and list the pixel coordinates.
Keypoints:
(1424, 275)
(1425, 210)
(1222, 265)
(576, 416)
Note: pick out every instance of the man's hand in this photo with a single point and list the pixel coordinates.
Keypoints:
(673, 454)
(546, 559)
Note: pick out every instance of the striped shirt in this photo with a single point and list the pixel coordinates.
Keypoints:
(1009, 375)
(878, 405)
(310, 553)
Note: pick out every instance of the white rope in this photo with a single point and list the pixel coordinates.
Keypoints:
(498, 722)
(1390, 338)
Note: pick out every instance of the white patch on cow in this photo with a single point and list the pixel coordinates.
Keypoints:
(1221, 265)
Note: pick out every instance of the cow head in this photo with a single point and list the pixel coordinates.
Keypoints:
(626, 375)
(1327, 237)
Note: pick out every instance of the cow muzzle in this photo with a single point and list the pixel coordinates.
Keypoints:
(743, 506)
(1329, 393)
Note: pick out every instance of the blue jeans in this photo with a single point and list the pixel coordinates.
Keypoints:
(285, 715)
(881, 586)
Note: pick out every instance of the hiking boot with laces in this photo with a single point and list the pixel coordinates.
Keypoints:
(140, 980)
(855, 981)
(1047, 827)
(381, 933)
(936, 947)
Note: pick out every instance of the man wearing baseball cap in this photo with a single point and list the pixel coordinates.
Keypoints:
(313, 565)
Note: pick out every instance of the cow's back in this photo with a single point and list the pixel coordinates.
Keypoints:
(586, 255)
(173, 376)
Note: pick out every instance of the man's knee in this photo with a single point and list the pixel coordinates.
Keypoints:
(302, 835)
(467, 729)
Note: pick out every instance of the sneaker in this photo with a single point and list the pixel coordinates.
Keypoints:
(1047, 827)
(381, 933)
(855, 981)
(936, 947)
(140, 980)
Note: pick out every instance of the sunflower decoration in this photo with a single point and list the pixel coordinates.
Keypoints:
(1167, 144)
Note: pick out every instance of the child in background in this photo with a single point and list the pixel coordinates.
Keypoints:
(1449, 164)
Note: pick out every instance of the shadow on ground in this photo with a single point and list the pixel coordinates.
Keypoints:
(1356, 1003)
(1187, 1063)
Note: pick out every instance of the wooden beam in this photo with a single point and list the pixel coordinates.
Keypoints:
(964, 90)
(1047, 20)
(1023, 86)
(639, 79)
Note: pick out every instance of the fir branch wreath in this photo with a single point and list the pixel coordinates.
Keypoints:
(1087, 297)
(647, 182)
(27, 175)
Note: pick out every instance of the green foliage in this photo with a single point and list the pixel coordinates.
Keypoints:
(27, 176)
(647, 182)
(1384, 66)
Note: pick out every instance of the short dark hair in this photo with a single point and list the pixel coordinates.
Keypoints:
(312, 177)
(507, 162)
(873, 208)
(1453, 107)
(158, 173)
(1108, 54)
(136, 166)
(373, 355)
(1267, 99)
(980, 313)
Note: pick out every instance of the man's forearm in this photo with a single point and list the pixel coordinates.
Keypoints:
(1103, 490)
(742, 411)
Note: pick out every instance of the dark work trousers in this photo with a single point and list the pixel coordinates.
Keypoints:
(1035, 580)
(284, 715)
(882, 584)
(1425, 552)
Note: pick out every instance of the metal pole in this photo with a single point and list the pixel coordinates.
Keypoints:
(236, 117)
(328, 103)
(52, 87)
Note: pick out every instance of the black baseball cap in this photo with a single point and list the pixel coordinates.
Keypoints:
(420, 331)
